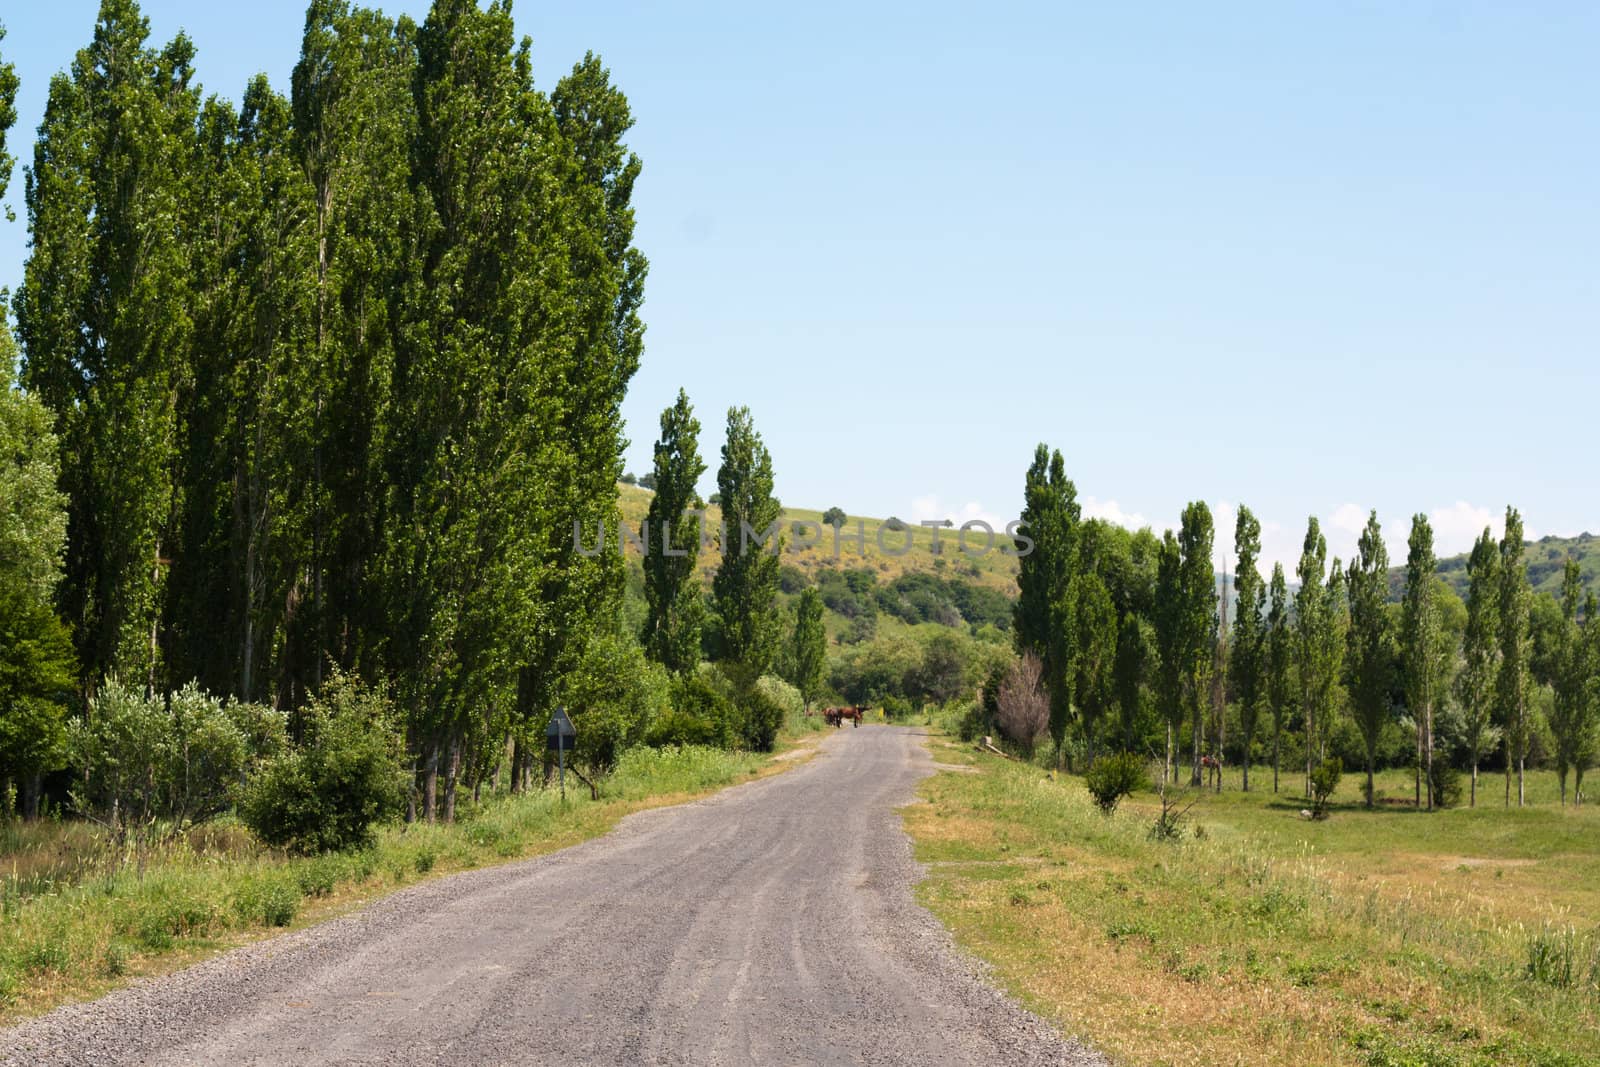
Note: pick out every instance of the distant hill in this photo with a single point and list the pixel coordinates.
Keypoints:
(1547, 558)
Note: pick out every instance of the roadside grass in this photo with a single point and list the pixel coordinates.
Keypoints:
(77, 918)
(1382, 938)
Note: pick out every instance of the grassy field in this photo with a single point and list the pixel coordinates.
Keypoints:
(992, 568)
(77, 918)
(1382, 938)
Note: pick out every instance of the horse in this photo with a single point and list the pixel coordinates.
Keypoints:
(1212, 766)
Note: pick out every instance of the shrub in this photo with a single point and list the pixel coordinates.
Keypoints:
(761, 717)
(613, 697)
(1113, 777)
(174, 757)
(896, 707)
(1446, 784)
(1022, 712)
(1324, 780)
(345, 777)
(700, 714)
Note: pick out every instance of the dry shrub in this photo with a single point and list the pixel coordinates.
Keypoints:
(1022, 708)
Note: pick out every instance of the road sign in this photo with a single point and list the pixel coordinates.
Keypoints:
(560, 735)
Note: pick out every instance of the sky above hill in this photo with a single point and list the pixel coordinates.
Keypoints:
(1317, 260)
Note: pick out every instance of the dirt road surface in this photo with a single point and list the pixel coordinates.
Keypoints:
(771, 923)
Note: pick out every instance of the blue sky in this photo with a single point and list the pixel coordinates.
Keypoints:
(1318, 258)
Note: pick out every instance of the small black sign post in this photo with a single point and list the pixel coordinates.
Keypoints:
(560, 735)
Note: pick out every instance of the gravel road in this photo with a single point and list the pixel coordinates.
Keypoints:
(771, 923)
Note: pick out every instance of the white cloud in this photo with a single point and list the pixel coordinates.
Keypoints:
(1457, 527)
(931, 509)
(1111, 511)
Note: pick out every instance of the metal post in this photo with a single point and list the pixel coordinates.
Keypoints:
(561, 757)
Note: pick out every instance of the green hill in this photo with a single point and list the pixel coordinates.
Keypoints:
(1547, 560)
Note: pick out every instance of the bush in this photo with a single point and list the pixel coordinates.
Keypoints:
(1022, 711)
(1446, 783)
(613, 697)
(700, 714)
(761, 717)
(896, 707)
(1324, 780)
(1113, 777)
(345, 778)
(174, 757)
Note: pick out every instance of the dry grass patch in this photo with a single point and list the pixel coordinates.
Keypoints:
(1267, 939)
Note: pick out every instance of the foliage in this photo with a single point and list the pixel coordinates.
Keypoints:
(1112, 777)
(1371, 656)
(342, 779)
(1324, 782)
(1512, 683)
(700, 714)
(1247, 645)
(174, 757)
(810, 647)
(834, 517)
(1022, 709)
(746, 582)
(613, 696)
(1044, 621)
(672, 629)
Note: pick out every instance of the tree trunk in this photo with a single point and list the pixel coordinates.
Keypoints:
(1167, 770)
(1428, 754)
(1473, 801)
(1277, 740)
(1369, 779)
(1521, 795)
(453, 770)
(32, 786)
(1199, 738)
(430, 783)
(1247, 763)
(1418, 775)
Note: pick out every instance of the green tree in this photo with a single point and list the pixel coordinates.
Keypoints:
(1279, 659)
(1371, 641)
(1480, 654)
(1572, 714)
(834, 517)
(1247, 648)
(9, 84)
(1096, 653)
(1129, 679)
(745, 587)
(1197, 622)
(1169, 645)
(672, 628)
(810, 647)
(1425, 656)
(1514, 682)
(1318, 641)
(36, 663)
(103, 315)
(1043, 617)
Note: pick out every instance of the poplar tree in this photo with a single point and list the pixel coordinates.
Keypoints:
(1169, 645)
(1247, 649)
(1044, 623)
(1311, 625)
(103, 314)
(1420, 646)
(1197, 621)
(1572, 713)
(672, 589)
(810, 646)
(1371, 657)
(745, 586)
(1129, 678)
(1279, 656)
(1095, 653)
(1514, 682)
(1480, 653)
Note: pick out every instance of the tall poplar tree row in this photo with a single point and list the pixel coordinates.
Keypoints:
(1573, 712)
(672, 543)
(334, 375)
